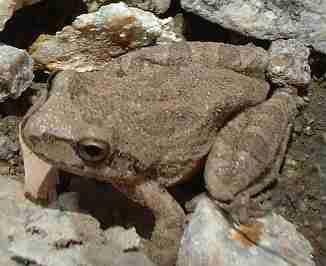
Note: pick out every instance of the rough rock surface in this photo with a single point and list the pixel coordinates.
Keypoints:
(210, 240)
(289, 63)
(156, 6)
(33, 235)
(16, 72)
(93, 39)
(8, 148)
(125, 239)
(7, 8)
(271, 20)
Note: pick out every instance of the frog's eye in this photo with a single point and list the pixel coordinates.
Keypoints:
(92, 150)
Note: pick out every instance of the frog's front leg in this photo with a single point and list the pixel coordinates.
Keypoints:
(169, 220)
(247, 156)
(41, 178)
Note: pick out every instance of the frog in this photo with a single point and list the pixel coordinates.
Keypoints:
(160, 116)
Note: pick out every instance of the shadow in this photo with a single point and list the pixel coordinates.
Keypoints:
(109, 206)
(215, 33)
(45, 17)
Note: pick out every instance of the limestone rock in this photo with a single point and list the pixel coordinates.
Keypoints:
(16, 72)
(271, 20)
(210, 240)
(93, 39)
(7, 8)
(288, 63)
(33, 235)
(155, 6)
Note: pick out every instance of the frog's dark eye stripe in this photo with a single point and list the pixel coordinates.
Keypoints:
(50, 79)
(92, 150)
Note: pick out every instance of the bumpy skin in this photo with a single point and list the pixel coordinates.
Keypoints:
(157, 115)
(247, 155)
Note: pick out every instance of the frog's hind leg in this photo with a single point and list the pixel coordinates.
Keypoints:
(169, 220)
(41, 178)
(274, 173)
(259, 193)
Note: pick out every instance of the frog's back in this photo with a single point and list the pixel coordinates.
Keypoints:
(156, 116)
(166, 114)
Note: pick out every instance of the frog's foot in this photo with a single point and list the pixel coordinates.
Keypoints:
(164, 243)
(41, 178)
(247, 206)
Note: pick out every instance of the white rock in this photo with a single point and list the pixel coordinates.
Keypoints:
(282, 19)
(93, 39)
(155, 6)
(126, 239)
(209, 240)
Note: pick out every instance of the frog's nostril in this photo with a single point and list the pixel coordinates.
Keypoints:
(92, 150)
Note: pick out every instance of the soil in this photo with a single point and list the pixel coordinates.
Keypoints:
(302, 187)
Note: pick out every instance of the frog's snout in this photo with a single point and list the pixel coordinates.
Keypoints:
(92, 150)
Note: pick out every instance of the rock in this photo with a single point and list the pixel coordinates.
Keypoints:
(155, 6)
(8, 148)
(33, 235)
(133, 259)
(68, 201)
(93, 39)
(288, 63)
(7, 8)
(16, 72)
(125, 239)
(56, 238)
(270, 20)
(210, 240)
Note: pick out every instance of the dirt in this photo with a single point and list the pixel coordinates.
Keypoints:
(300, 188)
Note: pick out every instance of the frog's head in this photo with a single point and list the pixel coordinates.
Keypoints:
(73, 130)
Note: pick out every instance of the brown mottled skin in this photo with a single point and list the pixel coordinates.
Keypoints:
(157, 113)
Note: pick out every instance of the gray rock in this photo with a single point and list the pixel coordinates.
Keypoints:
(288, 63)
(93, 39)
(210, 240)
(16, 72)
(277, 19)
(33, 235)
(8, 148)
(52, 237)
(7, 8)
(155, 6)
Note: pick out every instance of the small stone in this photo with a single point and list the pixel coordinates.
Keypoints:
(288, 63)
(68, 201)
(126, 239)
(94, 39)
(210, 240)
(308, 131)
(16, 72)
(8, 148)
